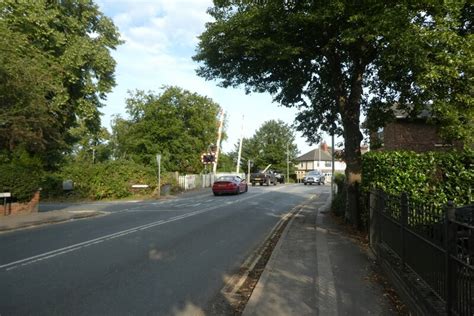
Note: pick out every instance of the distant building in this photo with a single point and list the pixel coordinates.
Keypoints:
(318, 159)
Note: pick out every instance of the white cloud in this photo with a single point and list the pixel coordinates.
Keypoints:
(160, 39)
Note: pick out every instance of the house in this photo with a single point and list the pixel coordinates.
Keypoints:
(318, 159)
(408, 133)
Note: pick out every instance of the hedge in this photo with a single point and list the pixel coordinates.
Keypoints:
(106, 180)
(432, 177)
(20, 175)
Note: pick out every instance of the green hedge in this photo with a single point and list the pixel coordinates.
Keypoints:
(338, 204)
(433, 177)
(106, 180)
(21, 175)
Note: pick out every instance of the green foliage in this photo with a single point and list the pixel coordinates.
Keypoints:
(178, 124)
(170, 179)
(269, 146)
(335, 60)
(226, 162)
(21, 175)
(103, 180)
(432, 178)
(339, 180)
(92, 146)
(338, 204)
(55, 68)
(429, 66)
(26, 79)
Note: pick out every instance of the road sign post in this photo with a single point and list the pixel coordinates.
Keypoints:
(158, 161)
(5, 196)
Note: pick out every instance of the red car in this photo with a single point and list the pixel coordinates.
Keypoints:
(229, 184)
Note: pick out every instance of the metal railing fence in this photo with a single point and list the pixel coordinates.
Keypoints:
(436, 243)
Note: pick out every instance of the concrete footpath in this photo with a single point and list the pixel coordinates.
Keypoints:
(13, 222)
(315, 269)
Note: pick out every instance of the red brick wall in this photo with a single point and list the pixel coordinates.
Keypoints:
(416, 136)
(22, 208)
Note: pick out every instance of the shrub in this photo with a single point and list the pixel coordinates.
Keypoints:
(170, 178)
(20, 174)
(105, 180)
(339, 180)
(432, 178)
(338, 204)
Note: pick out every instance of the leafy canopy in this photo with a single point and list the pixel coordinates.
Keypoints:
(55, 68)
(334, 59)
(337, 60)
(176, 123)
(269, 145)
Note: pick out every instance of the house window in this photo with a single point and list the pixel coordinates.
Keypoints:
(327, 164)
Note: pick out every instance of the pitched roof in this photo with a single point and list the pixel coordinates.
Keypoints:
(313, 155)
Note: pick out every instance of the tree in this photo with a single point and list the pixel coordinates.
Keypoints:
(226, 163)
(91, 147)
(178, 124)
(269, 145)
(26, 79)
(61, 51)
(336, 60)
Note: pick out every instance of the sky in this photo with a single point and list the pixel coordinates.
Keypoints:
(160, 39)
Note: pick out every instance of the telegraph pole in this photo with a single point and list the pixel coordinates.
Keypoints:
(332, 163)
(218, 144)
(240, 146)
(287, 162)
(248, 170)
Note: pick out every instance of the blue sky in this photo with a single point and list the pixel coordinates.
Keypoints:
(160, 39)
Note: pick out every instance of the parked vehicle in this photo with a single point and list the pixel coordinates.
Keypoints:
(229, 185)
(264, 177)
(314, 177)
(280, 177)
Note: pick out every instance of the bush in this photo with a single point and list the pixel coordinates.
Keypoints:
(339, 180)
(170, 178)
(431, 178)
(105, 180)
(338, 204)
(20, 174)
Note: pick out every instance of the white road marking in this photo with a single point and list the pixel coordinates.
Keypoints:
(98, 240)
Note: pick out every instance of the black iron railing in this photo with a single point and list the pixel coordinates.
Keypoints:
(436, 243)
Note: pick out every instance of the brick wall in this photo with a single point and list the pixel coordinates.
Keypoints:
(22, 208)
(415, 136)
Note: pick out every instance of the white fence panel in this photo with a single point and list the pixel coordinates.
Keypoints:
(193, 181)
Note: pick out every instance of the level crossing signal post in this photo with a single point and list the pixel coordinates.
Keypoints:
(208, 159)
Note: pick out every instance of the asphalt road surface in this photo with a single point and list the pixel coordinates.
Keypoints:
(167, 257)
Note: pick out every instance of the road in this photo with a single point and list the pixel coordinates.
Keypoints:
(166, 257)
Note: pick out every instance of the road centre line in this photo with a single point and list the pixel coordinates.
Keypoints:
(84, 244)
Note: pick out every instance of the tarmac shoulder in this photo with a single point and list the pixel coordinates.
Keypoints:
(15, 222)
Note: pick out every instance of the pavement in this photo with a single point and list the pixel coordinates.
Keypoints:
(317, 269)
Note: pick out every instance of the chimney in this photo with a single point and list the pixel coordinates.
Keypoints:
(324, 146)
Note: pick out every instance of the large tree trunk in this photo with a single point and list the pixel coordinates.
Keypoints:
(349, 109)
(352, 155)
(352, 139)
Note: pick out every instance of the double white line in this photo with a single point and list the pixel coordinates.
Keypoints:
(84, 244)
